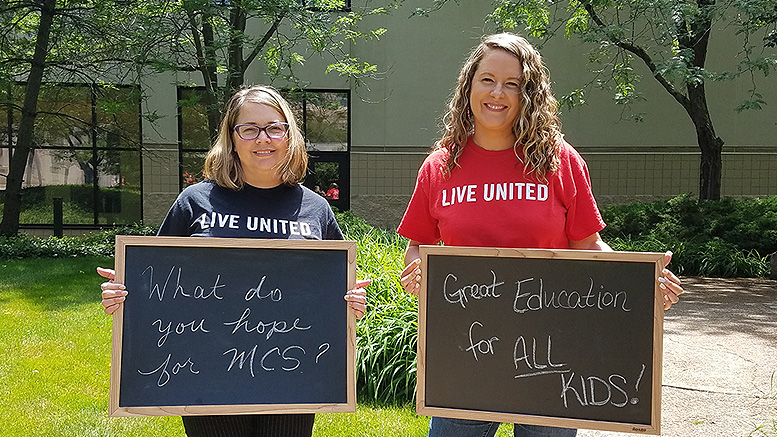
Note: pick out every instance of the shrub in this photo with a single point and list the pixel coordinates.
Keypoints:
(79, 204)
(725, 238)
(386, 352)
(98, 244)
(352, 226)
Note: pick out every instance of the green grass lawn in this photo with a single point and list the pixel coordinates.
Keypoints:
(55, 344)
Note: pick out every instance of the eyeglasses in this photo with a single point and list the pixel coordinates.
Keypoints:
(251, 132)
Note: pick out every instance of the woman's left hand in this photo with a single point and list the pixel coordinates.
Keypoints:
(669, 284)
(357, 298)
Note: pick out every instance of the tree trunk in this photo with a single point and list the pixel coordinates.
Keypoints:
(24, 143)
(711, 166)
(214, 113)
(711, 146)
(212, 100)
(235, 64)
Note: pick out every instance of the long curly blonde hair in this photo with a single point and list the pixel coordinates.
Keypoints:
(537, 128)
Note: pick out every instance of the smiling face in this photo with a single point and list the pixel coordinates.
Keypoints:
(495, 99)
(260, 158)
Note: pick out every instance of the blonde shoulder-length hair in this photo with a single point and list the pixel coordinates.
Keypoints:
(537, 127)
(222, 163)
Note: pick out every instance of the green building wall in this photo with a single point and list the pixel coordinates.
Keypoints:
(395, 118)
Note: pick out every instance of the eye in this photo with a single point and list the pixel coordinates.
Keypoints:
(277, 130)
(248, 131)
(513, 84)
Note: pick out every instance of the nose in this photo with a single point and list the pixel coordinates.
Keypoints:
(497, 90)
(266, 136)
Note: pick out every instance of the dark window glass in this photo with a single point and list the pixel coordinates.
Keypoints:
(87, 151)
(191, 167)
(326, 122)
(193, 119)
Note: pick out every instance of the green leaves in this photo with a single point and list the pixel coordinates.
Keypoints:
(577, 23)
(726, 238)
(533, 15)
(756, 102)
(625, 79)
(669, 36)
(351, 67)
(573, 99)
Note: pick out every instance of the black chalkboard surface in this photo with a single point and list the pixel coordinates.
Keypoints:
(559, 338)
(233, 326)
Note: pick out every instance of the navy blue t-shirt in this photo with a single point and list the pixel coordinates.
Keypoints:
(286, 212)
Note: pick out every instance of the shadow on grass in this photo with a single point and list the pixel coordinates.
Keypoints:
(52, 284)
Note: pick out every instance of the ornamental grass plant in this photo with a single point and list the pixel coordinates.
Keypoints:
(388, 333)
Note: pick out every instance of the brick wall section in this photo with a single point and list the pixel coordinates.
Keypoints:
(160, 181)
(382, 182)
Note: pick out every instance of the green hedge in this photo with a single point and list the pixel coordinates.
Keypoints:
(725, 238)
(97, 244)
(121, 205)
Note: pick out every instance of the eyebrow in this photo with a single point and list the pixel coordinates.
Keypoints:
(260, 124)
(518, 78)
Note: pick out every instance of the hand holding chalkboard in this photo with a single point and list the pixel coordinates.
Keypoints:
(411, 276)
(113, 293)
(669, 284)
(232, 326)
(544, 337)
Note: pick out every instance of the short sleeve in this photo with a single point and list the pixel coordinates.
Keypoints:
(418, 223)
(177, 221)
(331, 230)
(583, 216)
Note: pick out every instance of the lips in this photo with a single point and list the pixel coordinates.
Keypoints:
(263, 152)
(495, 107)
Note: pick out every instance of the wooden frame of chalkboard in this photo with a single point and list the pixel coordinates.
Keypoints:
(233, 326)
(562, 338)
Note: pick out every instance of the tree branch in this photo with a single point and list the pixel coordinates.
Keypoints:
(640, 53)
(266, 38)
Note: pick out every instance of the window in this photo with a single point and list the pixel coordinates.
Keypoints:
(87, 152)
(325, 121)
(193, 134)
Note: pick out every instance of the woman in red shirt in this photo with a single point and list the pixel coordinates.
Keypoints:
(503, 176)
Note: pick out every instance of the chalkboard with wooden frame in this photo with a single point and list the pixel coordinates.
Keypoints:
(233, 326)
(560, 338)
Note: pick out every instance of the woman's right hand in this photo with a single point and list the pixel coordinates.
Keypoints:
(113, 293)
(411, 277)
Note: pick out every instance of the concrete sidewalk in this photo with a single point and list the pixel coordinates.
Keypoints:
(720, 361)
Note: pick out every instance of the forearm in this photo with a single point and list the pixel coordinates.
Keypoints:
(592, 242)
(601, 245)
(412, 252)
(411, 274)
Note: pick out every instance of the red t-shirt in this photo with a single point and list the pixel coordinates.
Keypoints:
(488, 201)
